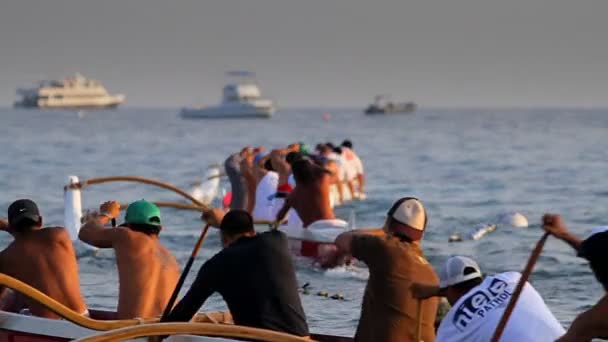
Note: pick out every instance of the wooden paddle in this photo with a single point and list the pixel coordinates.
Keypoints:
(520, 286)
(182, 278)
(419, 321)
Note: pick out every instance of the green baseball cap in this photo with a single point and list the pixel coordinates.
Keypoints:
(304, 149)
(143, 212)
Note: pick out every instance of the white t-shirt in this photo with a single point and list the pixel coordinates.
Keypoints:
(353, 159)
(293, 219)
(345, 171)
(474, 317)
(264, 197)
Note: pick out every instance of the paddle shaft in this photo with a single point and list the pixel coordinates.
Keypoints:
(182, 278)
(520, 286)
(419, 321)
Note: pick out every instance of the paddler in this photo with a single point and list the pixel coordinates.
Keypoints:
(329, 160)
(310, 199)
(395, 261)
(353, 160)
(592, 323)
(43, 258)
(478, 305)
(238, 182)
(249, 175)
(254, 274)
(147, 271)
(266, 188)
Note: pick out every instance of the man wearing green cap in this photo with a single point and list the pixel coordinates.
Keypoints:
(147, 271)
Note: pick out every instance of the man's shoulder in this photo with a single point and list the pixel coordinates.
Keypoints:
(132, 238)
(55, 232)
(273, 235)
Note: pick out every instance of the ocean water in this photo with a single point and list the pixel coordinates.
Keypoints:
(468, 167)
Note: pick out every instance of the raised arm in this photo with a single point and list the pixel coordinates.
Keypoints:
(93, 231)
(554, 225)
(590, 324)
(277, 158)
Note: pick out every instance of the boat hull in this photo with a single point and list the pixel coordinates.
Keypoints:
(393, 109)
(20, 328)
(228, 112)
(65, 105)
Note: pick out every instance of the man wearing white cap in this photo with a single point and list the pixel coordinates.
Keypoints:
(478, 304)
(395, 261)
(592, 323)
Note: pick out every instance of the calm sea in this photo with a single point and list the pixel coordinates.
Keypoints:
(468, 166)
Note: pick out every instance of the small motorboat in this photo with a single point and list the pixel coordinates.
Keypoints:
(382, 105)
(241, 98)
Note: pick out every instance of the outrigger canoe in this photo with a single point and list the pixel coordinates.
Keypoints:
(206, 327)
(303, 242)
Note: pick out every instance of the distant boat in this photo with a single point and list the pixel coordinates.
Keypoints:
(382, 105)
(241, 98)
(72, 92)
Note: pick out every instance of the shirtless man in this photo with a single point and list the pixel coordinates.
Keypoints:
(329, 161)
(310, 197)
(147, 271)
(42, 258)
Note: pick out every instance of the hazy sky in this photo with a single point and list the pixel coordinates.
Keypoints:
(315, 52)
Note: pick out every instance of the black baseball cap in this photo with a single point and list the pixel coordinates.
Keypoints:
(237, 222)
(23, 209)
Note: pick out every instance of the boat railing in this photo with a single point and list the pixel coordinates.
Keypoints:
(204, 329)
(65, 312)
(73, 201)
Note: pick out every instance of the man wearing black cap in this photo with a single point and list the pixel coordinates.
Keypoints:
(253, 273)
(395, 261)
(592, 323)
(42, 258)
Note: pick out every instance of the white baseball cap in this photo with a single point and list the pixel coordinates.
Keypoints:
(410, 215)
(453, 271)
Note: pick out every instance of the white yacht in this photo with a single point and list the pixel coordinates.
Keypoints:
(72, 92)
(241, 98)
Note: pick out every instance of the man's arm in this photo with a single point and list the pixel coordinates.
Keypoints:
(284, 209)
(359, 243)
(277, 158)
(93, 231)
(554, 225)
(201, 289)
(424, 291)
(591, 324)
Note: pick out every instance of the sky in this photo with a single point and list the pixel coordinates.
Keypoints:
(315, 53)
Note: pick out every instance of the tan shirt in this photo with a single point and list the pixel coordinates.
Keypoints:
(388, 310)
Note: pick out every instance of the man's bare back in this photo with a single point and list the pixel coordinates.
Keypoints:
(44, 258)
(310, 199)
(147, 271)
(148, 274)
